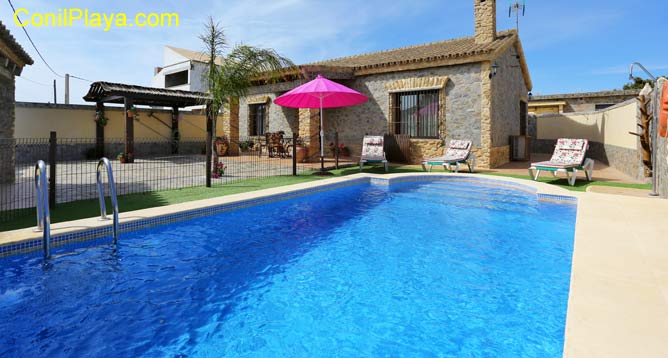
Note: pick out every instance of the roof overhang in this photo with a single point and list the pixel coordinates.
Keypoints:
(107, 92)
(11, 48)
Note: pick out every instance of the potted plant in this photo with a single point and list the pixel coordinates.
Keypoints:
(345, 151)
(302, 150)
(222, 144)
(218, 170)
(341, 149)
(246, 145)
(100, 119)
(126, 157)
(133, 113)
(332, 149)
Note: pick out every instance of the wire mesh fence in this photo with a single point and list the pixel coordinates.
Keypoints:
(154, 165)
(17, 174)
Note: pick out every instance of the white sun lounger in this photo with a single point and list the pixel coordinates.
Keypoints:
(373, 151)
(458, 152)
(569, 157)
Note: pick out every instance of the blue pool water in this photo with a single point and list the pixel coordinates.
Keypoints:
(444, 268)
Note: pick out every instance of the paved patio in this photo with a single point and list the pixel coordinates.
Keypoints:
(602, 172)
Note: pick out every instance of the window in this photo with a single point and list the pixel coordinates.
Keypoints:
(176, 79)
(257, 119)
(417, 114)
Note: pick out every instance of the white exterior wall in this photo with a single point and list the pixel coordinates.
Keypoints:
(172, 63)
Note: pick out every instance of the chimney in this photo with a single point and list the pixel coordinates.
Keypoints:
(485, 21)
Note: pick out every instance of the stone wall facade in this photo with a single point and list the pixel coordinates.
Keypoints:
(460, 109)
(277, 119)
(485, 21)
(460, 117)
(7, 117)
(508, 90)
(499, 156)
(309, 125)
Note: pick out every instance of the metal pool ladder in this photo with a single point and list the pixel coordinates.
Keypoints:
(105, 164)
(43, 215)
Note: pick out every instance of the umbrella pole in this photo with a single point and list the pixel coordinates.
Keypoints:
(322, 171)
(322, 144)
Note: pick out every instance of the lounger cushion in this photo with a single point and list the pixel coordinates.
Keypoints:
(571, 144)
(459, 144)
(373, 140)
(457, 151)
(550, 164)
(372, 148)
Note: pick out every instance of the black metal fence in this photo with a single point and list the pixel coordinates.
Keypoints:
(155, 165)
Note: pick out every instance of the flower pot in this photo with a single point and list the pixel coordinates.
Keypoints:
(221, 148)
(301, 153)
(345, 152)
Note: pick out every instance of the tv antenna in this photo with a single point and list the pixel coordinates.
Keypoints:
(517, 8)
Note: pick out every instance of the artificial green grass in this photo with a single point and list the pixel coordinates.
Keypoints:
(90, 208)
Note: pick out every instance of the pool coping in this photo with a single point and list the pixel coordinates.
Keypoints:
(618, 298)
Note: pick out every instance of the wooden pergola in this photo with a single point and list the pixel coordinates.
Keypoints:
(131, 95)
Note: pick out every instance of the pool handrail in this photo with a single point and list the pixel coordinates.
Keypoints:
(43, 214)
(104, 162)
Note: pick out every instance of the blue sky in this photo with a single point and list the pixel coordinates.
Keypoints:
(570, 45)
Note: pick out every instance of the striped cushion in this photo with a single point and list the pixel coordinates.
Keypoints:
(372, 148)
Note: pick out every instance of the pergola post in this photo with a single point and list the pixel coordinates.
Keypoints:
(209, 142)
(175, 130)
(129, 128)
(99, 130)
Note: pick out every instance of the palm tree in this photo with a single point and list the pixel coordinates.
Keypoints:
(231, 73)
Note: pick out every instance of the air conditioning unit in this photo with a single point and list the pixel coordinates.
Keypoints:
(520, 148)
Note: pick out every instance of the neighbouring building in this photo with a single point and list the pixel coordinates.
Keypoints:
(12, 60)
(182, 70)
(466, 88)
(579, 102)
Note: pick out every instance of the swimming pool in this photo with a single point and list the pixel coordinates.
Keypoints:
(449, 267)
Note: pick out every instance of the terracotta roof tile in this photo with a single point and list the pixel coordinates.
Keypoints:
(449, 49)
(13, 45)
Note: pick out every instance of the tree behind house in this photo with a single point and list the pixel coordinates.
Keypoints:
(638, 83)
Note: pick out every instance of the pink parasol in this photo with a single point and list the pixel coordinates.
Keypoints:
(321, 93)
